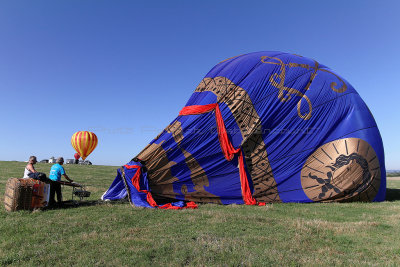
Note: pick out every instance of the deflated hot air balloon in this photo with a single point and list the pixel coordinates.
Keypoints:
(84, 143)
(261, 128)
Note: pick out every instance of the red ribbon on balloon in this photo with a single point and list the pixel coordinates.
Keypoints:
(226, 146)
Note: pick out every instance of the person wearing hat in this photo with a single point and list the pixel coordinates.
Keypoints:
(56, 172)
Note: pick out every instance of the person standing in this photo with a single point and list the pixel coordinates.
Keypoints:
(56, 171)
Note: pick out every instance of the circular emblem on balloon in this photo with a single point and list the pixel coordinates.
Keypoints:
(84, 143)
(342, 170)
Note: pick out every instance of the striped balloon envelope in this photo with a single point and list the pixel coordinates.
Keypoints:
(84, 143)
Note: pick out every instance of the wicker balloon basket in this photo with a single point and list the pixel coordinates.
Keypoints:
(25, 194)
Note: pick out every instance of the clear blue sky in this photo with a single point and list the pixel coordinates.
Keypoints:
(124, 69)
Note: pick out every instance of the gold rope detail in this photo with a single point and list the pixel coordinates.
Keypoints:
(285, 93)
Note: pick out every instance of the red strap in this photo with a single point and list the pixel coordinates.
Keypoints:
(169, 206)
(132, 166)
(197, 109)
(244, 182)
(136, 183)
(226, 146)
(191, 205)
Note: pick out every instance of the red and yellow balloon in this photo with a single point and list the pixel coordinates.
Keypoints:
(84, 143)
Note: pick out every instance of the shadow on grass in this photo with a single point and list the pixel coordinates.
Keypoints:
(70, 204)
(392, 194)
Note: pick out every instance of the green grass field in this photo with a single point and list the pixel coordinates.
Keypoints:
(393, 174)
(116, 234)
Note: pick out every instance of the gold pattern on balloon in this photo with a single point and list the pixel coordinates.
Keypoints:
(342, 170)
(286, 93)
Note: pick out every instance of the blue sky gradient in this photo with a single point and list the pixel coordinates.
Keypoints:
(123, 69)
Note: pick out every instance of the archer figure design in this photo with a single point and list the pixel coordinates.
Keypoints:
(342, 160)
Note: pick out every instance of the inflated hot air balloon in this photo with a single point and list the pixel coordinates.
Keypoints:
(84, 143)
(261, 128)
(77, 156)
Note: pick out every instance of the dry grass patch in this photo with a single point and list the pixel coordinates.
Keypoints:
(319, 225)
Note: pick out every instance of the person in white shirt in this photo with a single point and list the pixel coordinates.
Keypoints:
(29, 169)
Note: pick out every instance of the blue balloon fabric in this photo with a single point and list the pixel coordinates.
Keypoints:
(304, 133)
